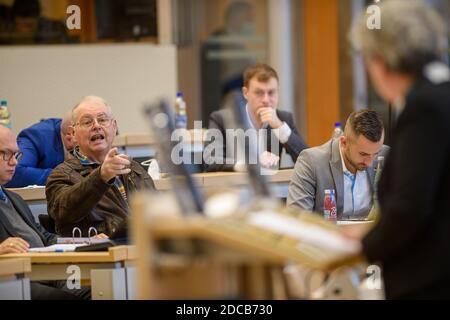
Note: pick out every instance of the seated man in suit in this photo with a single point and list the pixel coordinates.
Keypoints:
(18, 230)
(44, 146)
(345, 164)
(92, 187)
(261, 92)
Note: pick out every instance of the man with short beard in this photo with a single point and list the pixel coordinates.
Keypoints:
(345, 164)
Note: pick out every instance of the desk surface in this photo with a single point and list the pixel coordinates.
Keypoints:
(241, 238)
(144, 139)
(114, 254)
(227, 179)
(30, 194)
(9, 267)
(221, 179)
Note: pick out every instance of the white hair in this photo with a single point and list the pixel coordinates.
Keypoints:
(92, 99)
(412, 34)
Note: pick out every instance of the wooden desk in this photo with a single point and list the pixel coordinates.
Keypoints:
(219, 257)
(279, 182)
(109, 272)
(13, 283)
(238, 178)
(30, 194)
(280, 179)
(213, 179)
(10, 266)
(146, 139)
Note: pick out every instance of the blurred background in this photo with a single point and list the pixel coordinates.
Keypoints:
(133, 51)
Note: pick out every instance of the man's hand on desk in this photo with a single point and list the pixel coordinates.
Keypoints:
(14, 245)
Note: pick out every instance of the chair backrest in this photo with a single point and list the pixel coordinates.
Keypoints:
(47, 222)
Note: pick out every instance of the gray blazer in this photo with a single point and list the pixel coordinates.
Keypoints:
(318, 169)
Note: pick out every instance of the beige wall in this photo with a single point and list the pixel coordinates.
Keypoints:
(44, 81)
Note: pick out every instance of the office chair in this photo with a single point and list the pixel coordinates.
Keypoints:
(47, 222)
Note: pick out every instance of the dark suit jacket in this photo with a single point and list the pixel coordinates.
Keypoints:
(412, 238)
(7, 230)
(217, 120)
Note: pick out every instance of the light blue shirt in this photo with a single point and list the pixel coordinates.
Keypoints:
(3, 196)
(357, 191)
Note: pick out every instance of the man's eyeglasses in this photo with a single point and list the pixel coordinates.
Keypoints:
(87, 123)
(7, 155)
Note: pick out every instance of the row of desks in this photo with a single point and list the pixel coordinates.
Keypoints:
(14, 284)
(279, 184)
(147, 140)
(281, 178)
(110, 273)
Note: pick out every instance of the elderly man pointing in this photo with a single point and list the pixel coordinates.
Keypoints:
(92, 187)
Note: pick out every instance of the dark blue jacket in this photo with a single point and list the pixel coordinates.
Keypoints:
(42, 149)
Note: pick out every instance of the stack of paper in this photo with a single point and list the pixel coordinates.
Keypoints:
(305, 232)
(81, 240)
(57, 248)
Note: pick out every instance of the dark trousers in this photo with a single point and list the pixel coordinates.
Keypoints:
(437, 291)
(57, 290)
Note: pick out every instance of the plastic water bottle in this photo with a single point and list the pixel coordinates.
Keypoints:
(337, 132)
(329, 206)
(180, 112)
(5, 117)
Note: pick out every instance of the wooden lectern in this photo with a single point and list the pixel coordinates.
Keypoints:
(194, 257)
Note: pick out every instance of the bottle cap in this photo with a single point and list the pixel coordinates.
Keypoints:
(3, 103)
(338, 124)
(180, 94)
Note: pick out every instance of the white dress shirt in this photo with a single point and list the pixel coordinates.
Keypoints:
(283, 133)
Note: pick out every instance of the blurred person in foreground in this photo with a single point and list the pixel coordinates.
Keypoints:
(411, 240)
